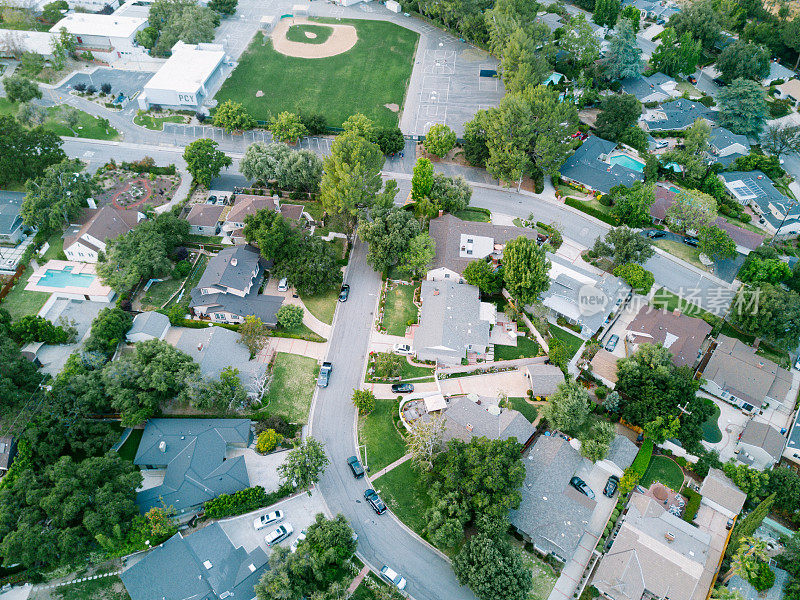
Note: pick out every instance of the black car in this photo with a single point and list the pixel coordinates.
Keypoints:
(611, 486)
(690, 241)
(402, 388)
(375, 502)
(344, 293)
(691, 79)
(355, 467)
(580, 485)
(654, 234)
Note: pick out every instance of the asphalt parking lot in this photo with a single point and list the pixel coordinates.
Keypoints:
(126, 82)
(299, 511)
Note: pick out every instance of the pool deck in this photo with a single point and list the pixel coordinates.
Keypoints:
(95, 290)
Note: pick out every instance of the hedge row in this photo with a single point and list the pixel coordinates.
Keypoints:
(642, 460)
(138, 167)
(244, 501)
(590, 210)
(693, 504)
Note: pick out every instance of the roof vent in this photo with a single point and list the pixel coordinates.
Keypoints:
(234, 261)
(207, 564)
(252, 567)
(162, 445)
(669, 536)
(469, 427)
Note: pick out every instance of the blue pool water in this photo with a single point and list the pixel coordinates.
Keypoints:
(626, 161)
(65, 278)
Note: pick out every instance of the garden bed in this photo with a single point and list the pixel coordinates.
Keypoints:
(126, 189)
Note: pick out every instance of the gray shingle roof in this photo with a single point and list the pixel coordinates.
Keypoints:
(205, 215)
(778, 71)
(718, 488)
(622, 452)
(149, 323)
(647, 87)
(764, 436)
(552, 20)
(552, 513)
(10, 205)
(193, 454)
(586, 167)
(544, 379)
(722, 138)
(676, 115)
(177, 569)
(465, 419)
(231, 268)
(755, 186)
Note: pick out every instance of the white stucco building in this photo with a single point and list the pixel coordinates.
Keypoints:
(109, 38)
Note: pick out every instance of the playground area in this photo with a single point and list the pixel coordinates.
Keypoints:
(126, 189)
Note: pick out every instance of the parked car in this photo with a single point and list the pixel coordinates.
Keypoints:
(654, 234)
(283, 285)
(355, 467)
(344, 293)
(375, 502)
(612, 343)
(300, 537)
(660, 22)
(691, 79)
(402, 388)
(268, 519)
(611, 486)
(280, 534)
(797, 363)
(690, 241)
(662, 144)
(404, 349)
(580, 485)
(211, 200)
(393, 577)
(324, 374)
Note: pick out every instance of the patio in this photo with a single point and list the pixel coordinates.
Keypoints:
(671, 500)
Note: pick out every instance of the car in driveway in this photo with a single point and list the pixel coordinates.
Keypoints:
(393, 577)
(344, 293)
(300, 537)
(580, 485)
(374, 500)
(404, 349)
(402, 388)
(654, 234)
(611, 486)
(280, 534)
(355, 467)
(662, 144)
(268, 519)
(612, 343)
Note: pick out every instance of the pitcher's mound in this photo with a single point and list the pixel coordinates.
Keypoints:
(342, 39)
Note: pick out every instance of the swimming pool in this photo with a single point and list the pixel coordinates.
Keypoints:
(626, 161)
(65, 278)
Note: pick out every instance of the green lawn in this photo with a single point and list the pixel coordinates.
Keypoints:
(378, 433)
(105, 588)
(19, 302)
(525, 348)
(156, 123)
(302, 330)
(400, 489)
(375, 72)
(664, 470)
(572, 342)
(666, 300)
(160, 292)
(319, 34)
(322, 305)
(710, 427)
(682, 251)
(544, 577)
(292, 388)
(410, 371)
(529, 411)
(131, 445)
(469, 214)
(88, 126)
(399, 309)
(191, 281)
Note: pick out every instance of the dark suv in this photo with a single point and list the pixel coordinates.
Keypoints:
(375, 502)
(355, 467)
(611, 486)
(580, 485)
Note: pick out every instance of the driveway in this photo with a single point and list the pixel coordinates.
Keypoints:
(261, 469)
(511, 383)
(620, 326)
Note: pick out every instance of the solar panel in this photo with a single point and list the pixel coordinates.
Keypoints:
(754, 188)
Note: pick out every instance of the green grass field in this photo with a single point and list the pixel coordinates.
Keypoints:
(403, 493)
(469, 214)
(529, 411)
(322, 305)
(525, 348)
(87, 127)
(664, 470)
(292, 387)
(155, 123)
(377, 432)
(297, 33)
(373, 73)
(572, 342)
(399, 309)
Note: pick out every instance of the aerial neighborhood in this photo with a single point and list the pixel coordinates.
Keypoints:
(399, 299)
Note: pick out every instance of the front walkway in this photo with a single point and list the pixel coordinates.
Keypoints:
(388, 468)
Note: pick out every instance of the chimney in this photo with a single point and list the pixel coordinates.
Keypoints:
(234, 261)
(441, 212)
(162, 445)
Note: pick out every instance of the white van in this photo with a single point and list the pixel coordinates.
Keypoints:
(283, 285)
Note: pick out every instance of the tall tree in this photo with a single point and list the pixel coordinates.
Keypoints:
(769, 312)
(359, 124)
(425, 440)
(204, 161)
(579, 42)
(419, 254)
(26, 153)
(493, 568)
(481, 274)
(624, 57)
(747, 526)
(287, 127)
(21, 89)
(232, 116)
(624, 245)
(716, 243)
(743, 107)
(632, 204)
(525, 268)
(701, 20)
(54, 199)
(265, 162)
(744, 60)
(305, 464)
(439, 140)
(692, 209)
(781, 139)
(568, 409)
(422, 179)
(388, 232)
(450, 193)
(618, 113)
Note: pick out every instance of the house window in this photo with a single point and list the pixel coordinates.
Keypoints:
(219, 316)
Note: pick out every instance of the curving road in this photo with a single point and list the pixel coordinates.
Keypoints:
(381, 539)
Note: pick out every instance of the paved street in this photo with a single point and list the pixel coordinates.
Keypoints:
(382, 539)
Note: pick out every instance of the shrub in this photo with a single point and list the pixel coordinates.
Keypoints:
(642, 460)
(364, 401)
(268, 440)
(279, 424)
(290, 316)
(707, 101)
(182, 269)
(693, 504)
(105, 88)
(388, 365)
(601, 392)
(636, 276)
(590, 210)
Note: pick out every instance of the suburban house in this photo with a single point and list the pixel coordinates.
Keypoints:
(187, 78)
(777, 72)
(722, 495)
(727, 146)
(11, 225)
(228, 290)
(8, 450)
(789, 90)
(552, 515)
(791, 454)
(654, 9)
(621, 455)
(466, 418)
(148, 325)
(552, 20)
(737, 375)
(655, 555)
(85, 240)
(459, 243)
(568, 289)
(215, 349)
(247, 204)
(186, 462)
(454, 323)
(760, 445)
(205, 565)
(683, 336)
(544, 379)
(755, 189)
(205, 219)
(604, 368)
(676, 115)
(108, 37)
(595, 167)
(655, 88)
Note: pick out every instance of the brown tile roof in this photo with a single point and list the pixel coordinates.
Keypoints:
(447, 230)
(247, 204)
(604, 364)
(664, 199)
(205, 215)
(104, 224)
(741, 236)
(682, 335)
